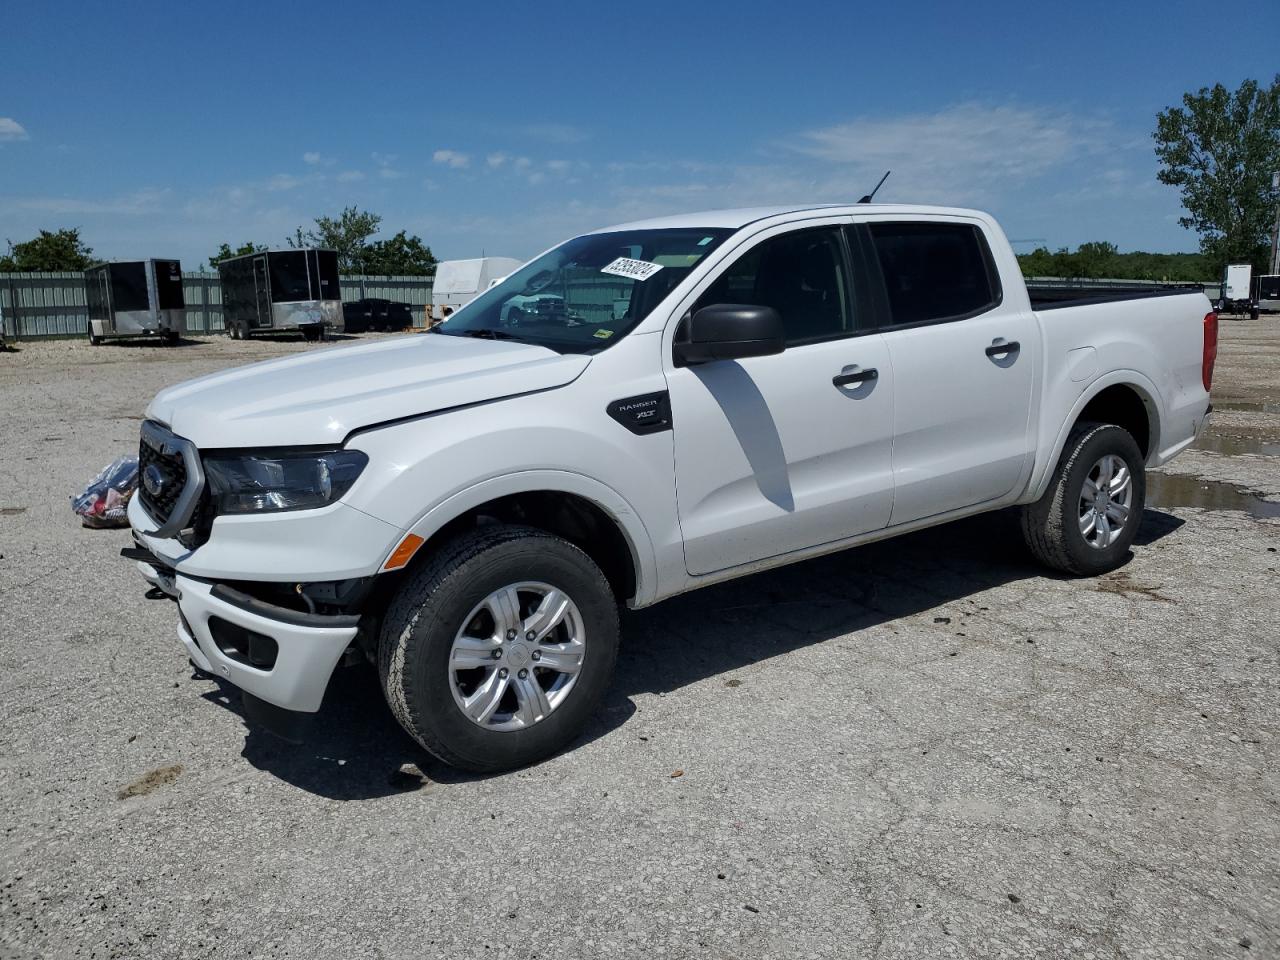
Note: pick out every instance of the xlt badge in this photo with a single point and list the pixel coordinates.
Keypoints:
(647, 413)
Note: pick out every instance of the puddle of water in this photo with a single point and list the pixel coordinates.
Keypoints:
(1234, 446)
(1174, 490)
(1247, 406)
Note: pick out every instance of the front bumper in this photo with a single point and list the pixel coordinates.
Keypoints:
(305, 653)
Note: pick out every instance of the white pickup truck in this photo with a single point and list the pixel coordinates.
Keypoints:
(702, 397)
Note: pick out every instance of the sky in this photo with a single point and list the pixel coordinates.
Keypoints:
(163, 130)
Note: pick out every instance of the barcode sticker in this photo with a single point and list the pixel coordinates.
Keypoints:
(633, 269)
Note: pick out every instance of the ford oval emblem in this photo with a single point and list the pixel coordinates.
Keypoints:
(153, 480)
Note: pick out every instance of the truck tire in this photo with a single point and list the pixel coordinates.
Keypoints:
(94, 340)
(1086, 520)
(495, 653)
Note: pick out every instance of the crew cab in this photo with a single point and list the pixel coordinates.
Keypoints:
(695, 398)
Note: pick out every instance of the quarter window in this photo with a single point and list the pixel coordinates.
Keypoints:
(935, 271)
(801, 275)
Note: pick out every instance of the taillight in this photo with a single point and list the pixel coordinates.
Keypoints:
(1210, 349)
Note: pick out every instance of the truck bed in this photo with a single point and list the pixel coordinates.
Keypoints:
(1068, 295)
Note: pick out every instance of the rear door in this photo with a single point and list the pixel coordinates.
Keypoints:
(963, 366)
(780, 453)
(262, 291)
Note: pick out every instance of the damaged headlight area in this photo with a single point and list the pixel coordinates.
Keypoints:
(280, 480)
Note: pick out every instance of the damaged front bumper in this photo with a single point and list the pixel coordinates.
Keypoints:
(282, 656)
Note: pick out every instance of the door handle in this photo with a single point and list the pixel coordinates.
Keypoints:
(858, 376)
(999, 348)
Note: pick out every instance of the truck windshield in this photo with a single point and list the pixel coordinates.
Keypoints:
(587, 293)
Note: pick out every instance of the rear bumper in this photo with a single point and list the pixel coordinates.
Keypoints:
(307, 647)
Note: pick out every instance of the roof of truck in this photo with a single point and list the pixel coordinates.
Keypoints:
(741, 216)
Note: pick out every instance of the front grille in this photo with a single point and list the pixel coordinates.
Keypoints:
(170, 479)
(174, 473)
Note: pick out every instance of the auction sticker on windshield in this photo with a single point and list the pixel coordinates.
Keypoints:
(633, 269)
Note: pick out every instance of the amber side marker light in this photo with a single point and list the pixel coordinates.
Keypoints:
(404, 552)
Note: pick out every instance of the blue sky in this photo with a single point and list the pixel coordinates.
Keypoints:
(166, 129)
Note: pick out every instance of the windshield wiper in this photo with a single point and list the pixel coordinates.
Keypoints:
(488, 333)
(484, 333)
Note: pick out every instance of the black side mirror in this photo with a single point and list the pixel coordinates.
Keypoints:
(729, 331)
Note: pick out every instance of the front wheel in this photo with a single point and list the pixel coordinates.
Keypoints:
(1086, 520)
(495, 654)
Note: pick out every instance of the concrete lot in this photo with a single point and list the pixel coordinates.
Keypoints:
(925, 748)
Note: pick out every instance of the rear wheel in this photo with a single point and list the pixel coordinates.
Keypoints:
(495, 653)
(1087, 519)
(94, 339)
(313, 332)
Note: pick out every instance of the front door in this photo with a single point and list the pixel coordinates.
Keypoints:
(262, 288)
(963, 368)
(775, 454)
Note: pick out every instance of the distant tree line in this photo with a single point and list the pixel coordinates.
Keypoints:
(1101, 259)
(350, 233)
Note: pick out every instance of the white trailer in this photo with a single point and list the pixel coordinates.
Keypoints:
(1237, 290)
(458, 282)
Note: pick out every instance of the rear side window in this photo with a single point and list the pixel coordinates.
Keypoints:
(935, 271)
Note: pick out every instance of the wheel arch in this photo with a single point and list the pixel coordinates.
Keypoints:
(583, 511)
(1123, 397)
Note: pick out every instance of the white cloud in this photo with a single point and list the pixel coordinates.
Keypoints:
(140, 202)
(496, 160)
(11, 129)
(389, 173)
(452, 158)
(283, 181)
(349, 176)
(963, 150)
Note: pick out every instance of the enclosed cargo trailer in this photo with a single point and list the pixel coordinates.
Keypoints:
(135, 298)
(281, 290)
(1267, 293)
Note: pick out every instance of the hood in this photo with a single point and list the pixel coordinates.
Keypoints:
(320, 396)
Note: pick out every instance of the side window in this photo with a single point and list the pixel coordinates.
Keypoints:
(801, 275)
(935, 271)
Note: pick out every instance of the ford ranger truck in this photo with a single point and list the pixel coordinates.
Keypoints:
(695, 398)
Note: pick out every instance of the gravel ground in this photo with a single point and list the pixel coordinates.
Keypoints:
(923, 748)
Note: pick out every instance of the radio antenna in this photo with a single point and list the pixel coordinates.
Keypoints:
(867, 198)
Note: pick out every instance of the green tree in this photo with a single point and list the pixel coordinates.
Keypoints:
(1096, 259)
(1102, 259)
(1220, 148)
(400, 256)
(225, 251)
(348, 235)
(48, 251)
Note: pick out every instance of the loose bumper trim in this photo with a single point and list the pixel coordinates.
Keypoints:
(309, 646)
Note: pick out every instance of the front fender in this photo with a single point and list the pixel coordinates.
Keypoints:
(614, 505)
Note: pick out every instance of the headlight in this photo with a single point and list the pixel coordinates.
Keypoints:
(255, 482)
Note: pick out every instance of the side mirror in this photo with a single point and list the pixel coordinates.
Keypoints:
(730, 331)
